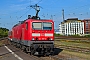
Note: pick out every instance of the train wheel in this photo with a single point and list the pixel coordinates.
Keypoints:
(32, 51)
(11, 43)
(26, 49)
(20, 46)
(16, 45)
(23, 48)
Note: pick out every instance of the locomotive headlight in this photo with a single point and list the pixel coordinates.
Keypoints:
(51, 39)
(11, 39)
(32, 38)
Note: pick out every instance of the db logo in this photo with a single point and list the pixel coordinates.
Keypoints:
(42, 34)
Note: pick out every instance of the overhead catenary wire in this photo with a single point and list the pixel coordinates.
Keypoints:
(74, 9)
(24, 13)
(77, 8)
(30, 9)
(30, 2)
(38, 2)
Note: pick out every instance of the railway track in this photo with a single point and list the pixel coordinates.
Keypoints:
(31, 56)
(60, 57)
(57, 57)
(73, 48)
(54, 57)
(4, 42)
(72, 38)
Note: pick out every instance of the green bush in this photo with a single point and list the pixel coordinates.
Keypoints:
(87, 36)
(56, 34)
(3, 32)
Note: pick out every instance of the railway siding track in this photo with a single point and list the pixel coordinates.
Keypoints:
(60, 57)
(73, 48)
(72, 38)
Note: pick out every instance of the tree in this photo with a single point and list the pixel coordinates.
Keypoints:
(3, 32)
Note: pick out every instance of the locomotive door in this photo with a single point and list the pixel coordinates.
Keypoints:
(22, 34)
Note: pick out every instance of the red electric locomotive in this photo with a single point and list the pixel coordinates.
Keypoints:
(34, 35)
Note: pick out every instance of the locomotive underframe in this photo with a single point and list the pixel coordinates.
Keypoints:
(43, 48)
(35, 47)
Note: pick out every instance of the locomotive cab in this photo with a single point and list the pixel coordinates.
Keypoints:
(42, 36)
(42, 31)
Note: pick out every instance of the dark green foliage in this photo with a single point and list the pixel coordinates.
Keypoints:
(87, 36)
(3, 32)
(56, 34)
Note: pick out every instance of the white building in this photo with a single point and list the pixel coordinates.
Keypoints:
(71, 27)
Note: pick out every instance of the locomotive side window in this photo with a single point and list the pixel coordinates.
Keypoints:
(37, 25)
(26, 25)
(47, 26)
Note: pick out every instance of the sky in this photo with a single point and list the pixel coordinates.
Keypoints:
(13, 11)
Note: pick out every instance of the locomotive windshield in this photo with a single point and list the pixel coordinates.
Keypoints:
(47, 26)
(37, 25)
(42, 25)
